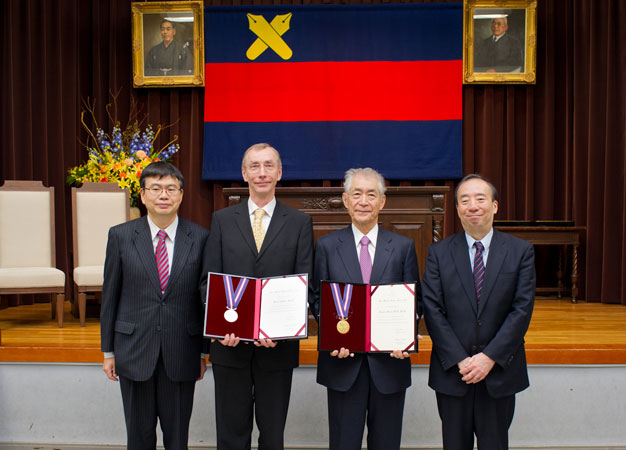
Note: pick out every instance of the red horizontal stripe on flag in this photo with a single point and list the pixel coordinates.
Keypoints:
(333, 91)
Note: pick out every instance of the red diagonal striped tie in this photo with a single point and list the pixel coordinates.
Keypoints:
(479, 269)
(162, 261)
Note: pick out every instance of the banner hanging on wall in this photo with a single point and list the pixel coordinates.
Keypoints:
(334, 87)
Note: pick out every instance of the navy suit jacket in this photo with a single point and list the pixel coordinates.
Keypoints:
(137, 321)
(336, 259)
(459, 328)
(287, 249)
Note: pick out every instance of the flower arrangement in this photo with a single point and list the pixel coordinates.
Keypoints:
(121, 155)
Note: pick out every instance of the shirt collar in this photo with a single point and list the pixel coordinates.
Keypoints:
(486, 240)
(171, 230)
(372, 235)
(269, 208)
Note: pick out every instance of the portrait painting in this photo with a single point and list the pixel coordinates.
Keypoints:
(168, 44)
(500, 41)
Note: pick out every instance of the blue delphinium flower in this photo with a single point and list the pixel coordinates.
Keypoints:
(117, 139)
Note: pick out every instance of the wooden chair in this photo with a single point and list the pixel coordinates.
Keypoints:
(96, 207)
(27, 249)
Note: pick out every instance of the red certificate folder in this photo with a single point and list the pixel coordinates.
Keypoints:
(373, 325)
(252, 308)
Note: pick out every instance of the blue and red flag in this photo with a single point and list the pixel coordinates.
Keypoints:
(334, 87)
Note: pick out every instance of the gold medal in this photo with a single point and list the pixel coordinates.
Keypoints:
(343, 326)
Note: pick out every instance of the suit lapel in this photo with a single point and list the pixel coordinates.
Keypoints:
(143, 244)
(242, 219)
(182, 246)
(460, 256)
(497, 253)
(384, 249)
(278, 220)
(347, 252)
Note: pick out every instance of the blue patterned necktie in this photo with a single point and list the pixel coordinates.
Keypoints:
(162, 261)
(479, 269)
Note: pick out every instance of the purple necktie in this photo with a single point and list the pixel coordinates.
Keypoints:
(162, 261)
(365, 260)
(479, 269)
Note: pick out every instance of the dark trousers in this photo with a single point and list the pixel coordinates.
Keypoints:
(349, 411)
(241, 393)
(158, 397)
(476, 413)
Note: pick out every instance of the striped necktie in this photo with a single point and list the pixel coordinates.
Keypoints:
(162, 260)
(479, 269)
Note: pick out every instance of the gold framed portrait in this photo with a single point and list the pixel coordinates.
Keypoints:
(499, 41)
(168, 44)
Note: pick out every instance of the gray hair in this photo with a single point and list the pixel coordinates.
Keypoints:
(367, 172)
(260, 146)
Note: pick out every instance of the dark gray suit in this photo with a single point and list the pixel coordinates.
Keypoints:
(395, 261)
(504, 55)
(149, 332)
(249, 377)
(459, 328)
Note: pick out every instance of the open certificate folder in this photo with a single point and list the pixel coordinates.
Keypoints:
(368, 318)
(253, 308)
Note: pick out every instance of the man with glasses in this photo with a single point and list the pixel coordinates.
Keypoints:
(151, 317)
(500, 52)
(260, 237)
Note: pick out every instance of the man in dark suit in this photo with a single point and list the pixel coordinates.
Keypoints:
(151, 317)
(500, 52)
(478, 295)
(258, 238)
(364, 387)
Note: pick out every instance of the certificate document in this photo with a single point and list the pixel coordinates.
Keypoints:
(368, 318)
(392, 317)
(254, 308)
(284, 307)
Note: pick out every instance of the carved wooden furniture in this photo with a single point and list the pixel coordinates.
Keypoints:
(562, 236)
(27, 250)
(96, 207)
(413, 211)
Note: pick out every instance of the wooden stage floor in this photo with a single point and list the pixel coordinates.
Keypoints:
(560, 333)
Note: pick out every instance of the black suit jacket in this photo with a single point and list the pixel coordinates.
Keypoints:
(458, 328)
(505, 55)
(336, 259)
(137, 322)
(287, 249)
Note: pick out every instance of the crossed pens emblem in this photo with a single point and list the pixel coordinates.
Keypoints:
(269, 35)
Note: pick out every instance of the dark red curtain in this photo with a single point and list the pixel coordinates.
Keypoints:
(554, 150)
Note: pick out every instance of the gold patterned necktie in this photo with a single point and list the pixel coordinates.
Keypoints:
(257, 228)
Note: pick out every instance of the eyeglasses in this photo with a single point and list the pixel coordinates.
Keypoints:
(255, 167)
(157, 190)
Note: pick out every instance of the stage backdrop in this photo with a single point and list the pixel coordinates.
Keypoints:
(334, 87)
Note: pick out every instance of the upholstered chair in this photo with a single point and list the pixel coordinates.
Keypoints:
(96, 207)
(27, 244)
